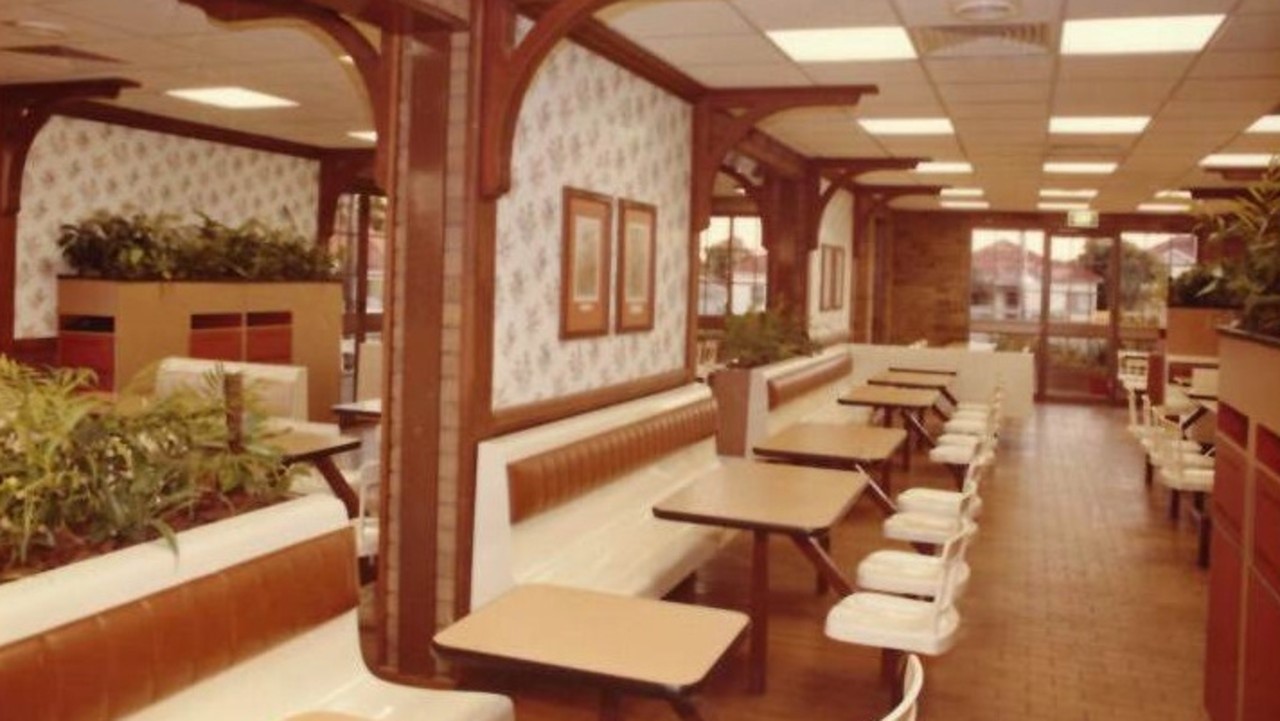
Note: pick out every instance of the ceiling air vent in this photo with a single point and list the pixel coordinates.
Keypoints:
(61, 52)
(964, 41)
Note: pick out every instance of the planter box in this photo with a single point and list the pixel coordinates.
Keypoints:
(1194, 331)
(742, 402)
(119, 328)
(1242, 678)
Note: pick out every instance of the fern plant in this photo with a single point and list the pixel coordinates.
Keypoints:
(79, 475)
(760, 338)
(1254, 222)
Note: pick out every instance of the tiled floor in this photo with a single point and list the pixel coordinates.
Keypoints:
(1086, 604)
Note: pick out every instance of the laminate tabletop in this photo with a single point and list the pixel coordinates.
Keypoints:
(298, 446)
(890, 397)
(633, 641)
(834, 442)
(767, 496)
(908, 379)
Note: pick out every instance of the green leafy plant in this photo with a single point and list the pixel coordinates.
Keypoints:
(1204, 286)
(760, 338)
(80, 476)
(158, 247)
(1253, 222)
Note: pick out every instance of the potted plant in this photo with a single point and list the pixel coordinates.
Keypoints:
(1253, 222)
(150, 286)
(81, 477)
(752, 341)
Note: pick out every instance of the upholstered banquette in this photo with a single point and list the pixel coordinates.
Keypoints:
(279, 390)
(253, 619)
(805, 390)
(570, 502)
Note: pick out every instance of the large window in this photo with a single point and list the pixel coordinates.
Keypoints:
(1148, 262)
(733, 275)
(1005, 277)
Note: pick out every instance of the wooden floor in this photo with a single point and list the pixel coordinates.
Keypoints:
(1086, 604)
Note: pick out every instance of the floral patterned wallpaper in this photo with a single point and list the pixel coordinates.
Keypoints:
(77, 167)
(589, 124)
(836, 230)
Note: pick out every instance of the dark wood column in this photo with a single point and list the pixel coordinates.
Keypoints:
(24, 109)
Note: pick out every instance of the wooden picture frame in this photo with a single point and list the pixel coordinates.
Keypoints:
(637, 265)
(831, 288)
(585, 265)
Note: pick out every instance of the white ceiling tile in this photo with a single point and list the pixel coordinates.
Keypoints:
(774, 15)
(994, 93)
(750, 75)
(1129, 67)
(998, 111)
(1142, 8)
(1255, 32)
(1111, 97)
(879, 73)
(1034, 69)
(664, 19)
(751, 49)
(138, 17)
(1242, 64)
(1228, 89)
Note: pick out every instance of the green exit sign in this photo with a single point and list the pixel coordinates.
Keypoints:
(1082, 219)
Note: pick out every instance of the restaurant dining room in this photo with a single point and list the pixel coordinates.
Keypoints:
(483, 360)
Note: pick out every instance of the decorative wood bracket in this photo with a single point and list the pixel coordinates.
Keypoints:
(508, 70)
(24, 109)
(340, 172)
(1233, 192)
(366, 58)
(843, 174)
(1239, 175)
(724, 118)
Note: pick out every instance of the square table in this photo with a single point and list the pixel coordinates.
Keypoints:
(849, 447)
(318, 449)
(911, 403)
(356, 413)
(622, 644)
(928, 381)
(793, 501)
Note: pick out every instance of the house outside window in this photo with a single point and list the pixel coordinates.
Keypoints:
(733, 267)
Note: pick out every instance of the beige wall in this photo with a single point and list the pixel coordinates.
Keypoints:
(589, 124)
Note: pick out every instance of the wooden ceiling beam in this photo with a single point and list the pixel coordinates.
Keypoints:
(1239, 175)
(1219, 193)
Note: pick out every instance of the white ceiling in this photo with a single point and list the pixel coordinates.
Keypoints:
(998, 101)
(165, 45)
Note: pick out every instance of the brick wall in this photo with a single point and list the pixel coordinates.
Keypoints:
(928, 277)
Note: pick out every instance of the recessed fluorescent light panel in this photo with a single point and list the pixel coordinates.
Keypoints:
(965, 204)
(838, 45)
(952, 168)
(1135, 36)
(1161, 208)
(907, 126)
(1076, 168)
(1237, 160)
(1068, 193)
(1060, 205)
(1174, 195)
(1102, 125)
(962, 192)
(234, 98)
(369, 136)
(1266, 124)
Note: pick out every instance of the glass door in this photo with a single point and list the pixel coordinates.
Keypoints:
(1078, 353)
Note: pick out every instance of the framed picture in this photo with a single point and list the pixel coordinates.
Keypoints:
(831, 288)
(637, 247)
(584, 265)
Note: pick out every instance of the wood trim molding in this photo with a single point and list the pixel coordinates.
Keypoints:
(127, 117)
(518, 418)
(366, 58)
(24, 110)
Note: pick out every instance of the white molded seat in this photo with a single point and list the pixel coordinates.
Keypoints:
(916, 574)
(958, 439)
(903, 624)
(1180, 471)
(920, 527)
(953, 454)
